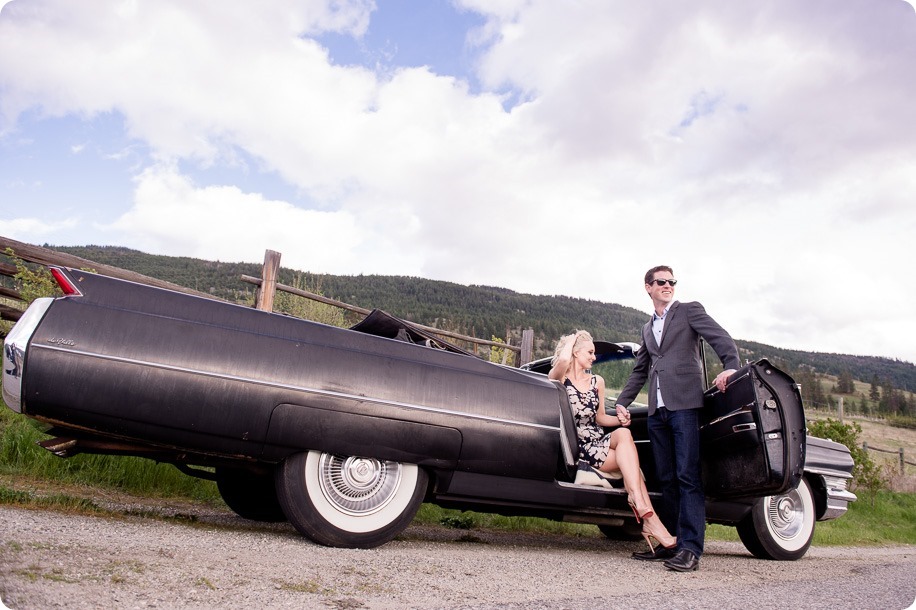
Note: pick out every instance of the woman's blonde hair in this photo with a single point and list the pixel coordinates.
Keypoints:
(577, 339)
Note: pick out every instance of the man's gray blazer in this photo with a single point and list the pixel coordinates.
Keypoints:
(676, 363)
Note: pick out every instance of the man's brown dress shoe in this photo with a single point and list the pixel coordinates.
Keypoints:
(684, 561)
(659, 554)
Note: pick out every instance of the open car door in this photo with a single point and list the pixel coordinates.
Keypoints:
(753, 434)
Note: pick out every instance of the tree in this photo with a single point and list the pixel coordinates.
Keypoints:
(873, 393)
(498, 353)
(818, 397)
(892, 400)
(805, 378)
(845, 383)
(33, 283)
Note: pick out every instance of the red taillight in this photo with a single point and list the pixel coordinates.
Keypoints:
(67, 286)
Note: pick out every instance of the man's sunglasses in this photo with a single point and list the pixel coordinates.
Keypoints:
(663, 282)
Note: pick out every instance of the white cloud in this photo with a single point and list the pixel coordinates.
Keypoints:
(171, 214)
(36, 229)
(763, 150)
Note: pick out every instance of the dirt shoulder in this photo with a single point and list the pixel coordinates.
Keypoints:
(199, 557)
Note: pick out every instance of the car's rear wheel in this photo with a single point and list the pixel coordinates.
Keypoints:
(352, 502)
(250, 495)
(780, 527)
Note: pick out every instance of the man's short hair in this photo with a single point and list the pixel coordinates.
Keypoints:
(650, 274)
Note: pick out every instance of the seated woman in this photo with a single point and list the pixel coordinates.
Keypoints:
(606, 452)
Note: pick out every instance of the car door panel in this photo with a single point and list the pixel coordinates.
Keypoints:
(753, 434)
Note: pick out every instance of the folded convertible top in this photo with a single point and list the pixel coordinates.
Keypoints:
(383, 324)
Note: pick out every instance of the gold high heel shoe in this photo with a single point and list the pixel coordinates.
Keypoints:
(662, 537)
(646, 513)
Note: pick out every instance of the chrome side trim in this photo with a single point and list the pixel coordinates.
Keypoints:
(14, 351)
(714, 390)
(724, 417)
(564, 443)
(285, 386)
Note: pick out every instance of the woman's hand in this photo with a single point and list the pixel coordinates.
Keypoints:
(623, 415)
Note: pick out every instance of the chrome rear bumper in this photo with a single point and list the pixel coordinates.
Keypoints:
(14, 348)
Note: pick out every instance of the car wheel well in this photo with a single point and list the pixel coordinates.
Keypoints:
(250, 493)
(819, 491)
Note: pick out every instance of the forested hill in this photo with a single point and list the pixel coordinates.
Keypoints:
(480, 311)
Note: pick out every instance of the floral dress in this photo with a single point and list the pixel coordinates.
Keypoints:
(593, 442)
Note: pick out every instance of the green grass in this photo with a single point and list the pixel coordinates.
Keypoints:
(20, 456)
(61, 502)
(887, 518)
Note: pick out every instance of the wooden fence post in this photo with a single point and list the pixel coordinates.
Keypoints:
(902, 462)
(527, 347)
(265, 295)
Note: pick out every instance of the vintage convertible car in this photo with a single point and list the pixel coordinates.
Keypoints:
(345, 432)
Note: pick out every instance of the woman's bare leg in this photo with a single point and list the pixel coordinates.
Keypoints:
(622, 456)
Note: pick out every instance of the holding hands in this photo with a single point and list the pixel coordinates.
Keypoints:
(623, 415)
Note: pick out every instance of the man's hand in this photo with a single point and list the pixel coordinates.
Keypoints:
(722, 379)
(623, 415)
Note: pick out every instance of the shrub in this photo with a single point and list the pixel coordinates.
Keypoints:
(865, 473)
(901, 421)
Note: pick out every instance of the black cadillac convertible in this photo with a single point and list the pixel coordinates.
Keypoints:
(345, 432)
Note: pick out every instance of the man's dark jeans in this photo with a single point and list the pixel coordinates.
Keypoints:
(675, 437)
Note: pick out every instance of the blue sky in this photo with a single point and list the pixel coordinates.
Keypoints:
(764, 150)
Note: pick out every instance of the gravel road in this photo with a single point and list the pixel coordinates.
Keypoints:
(201, 557)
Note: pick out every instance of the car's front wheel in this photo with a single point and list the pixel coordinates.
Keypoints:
(780, 527)
(347, 501)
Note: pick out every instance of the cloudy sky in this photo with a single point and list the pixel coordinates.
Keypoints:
(765, 150)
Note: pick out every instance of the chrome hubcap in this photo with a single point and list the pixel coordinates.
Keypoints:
(786, 514)
(358, 486)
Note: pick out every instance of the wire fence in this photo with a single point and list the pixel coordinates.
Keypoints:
(899, 451)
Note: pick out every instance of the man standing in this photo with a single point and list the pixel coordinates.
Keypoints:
(670, 359)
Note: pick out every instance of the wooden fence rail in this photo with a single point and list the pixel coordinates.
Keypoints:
(10, 314)
(44, 256)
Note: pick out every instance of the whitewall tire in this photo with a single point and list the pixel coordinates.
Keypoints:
(780, 527)
(348, 501)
